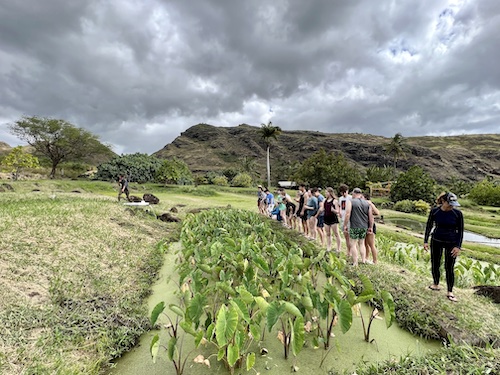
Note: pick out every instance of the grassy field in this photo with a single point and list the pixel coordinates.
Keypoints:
(76, 267)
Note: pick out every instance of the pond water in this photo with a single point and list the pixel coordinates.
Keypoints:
(348, 350)
(419, 227)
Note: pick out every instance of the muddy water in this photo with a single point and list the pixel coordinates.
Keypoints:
(348, 350)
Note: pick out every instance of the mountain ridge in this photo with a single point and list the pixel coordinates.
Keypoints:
(207, 148)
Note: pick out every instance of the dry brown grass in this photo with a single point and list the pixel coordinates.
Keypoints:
(73, 271)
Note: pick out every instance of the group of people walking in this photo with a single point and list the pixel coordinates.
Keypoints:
(318, 217)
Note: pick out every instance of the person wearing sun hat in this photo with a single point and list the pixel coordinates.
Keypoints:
(447, 236)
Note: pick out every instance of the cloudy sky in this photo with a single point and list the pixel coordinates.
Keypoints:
(139, 72)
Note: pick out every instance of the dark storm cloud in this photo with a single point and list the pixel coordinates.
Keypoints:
(139, 73)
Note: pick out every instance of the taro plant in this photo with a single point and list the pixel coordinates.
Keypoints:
(175, 343)
(369, 294)
(291, 332)
(330, 307)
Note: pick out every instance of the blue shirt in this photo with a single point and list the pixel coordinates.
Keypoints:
(270, 198)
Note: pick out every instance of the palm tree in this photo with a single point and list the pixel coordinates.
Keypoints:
(397, 147)
(268, 133)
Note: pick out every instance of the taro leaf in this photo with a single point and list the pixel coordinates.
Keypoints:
(241, 309)
(367, 284)
(298, 335)
(344, 312)
(210, 331)
(307, 302)
(205, 268)
(154, 347)
(158, 309)
(274, 311)
(245, 295)
(284, 277)
(227, 320)
(389, 308)
(187, 327)
(239, 337)
(221, 353)
(250, 360)
(292, 309)
(176, 309)
(261, 263)
(198, 338)
(255, 331)
(351, 297)
(195, 309)
(323, 308)
(262, 303)
(226, 288)
(233, 354)
(365, 296)
(171, 348)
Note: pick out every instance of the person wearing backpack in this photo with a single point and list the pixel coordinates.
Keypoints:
(447, 236)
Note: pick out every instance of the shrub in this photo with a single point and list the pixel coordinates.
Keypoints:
(220, 181)
(421, 207)
(486, 193)
(242, 180)
(174, 171)
(137, 167)
(405, 205)
(414, 184)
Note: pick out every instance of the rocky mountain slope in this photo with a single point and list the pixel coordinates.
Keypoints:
(209, 148)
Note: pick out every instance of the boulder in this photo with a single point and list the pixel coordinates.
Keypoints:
(151, 199)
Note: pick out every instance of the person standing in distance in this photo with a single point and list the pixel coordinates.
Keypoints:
(448, 224)
(123, 185)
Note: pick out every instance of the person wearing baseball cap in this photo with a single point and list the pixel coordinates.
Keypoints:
(448, 224)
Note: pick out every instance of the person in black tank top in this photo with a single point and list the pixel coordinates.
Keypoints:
(331, 219)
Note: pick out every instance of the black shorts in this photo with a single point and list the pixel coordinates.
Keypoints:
(330, 220)
(290, 209)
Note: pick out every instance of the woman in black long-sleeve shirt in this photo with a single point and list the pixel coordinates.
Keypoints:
(448, 224)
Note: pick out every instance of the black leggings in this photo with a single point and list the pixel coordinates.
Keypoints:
(437, 248)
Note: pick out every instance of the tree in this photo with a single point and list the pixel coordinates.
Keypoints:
(17, 160)
(136, 167)
(268, 133)
(397, 148)
(175, 171)
(248, 165)
(414, 185)
(58, 140)
(328, 169)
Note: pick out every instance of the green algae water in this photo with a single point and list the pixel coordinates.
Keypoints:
(347, 350)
